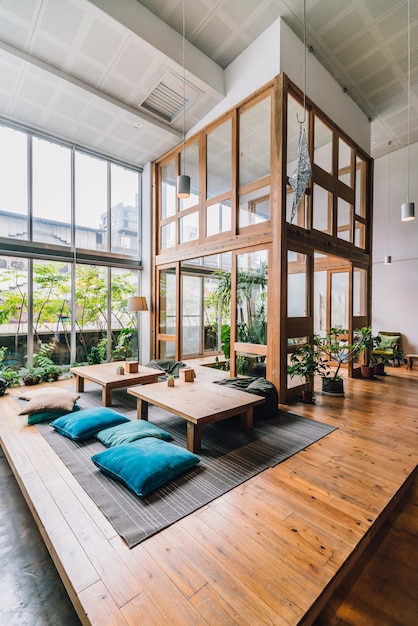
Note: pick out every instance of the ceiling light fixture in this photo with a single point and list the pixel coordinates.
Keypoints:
(183, 181)
(388, 258)
(408, 208)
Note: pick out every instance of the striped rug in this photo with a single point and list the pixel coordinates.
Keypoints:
(228, 458)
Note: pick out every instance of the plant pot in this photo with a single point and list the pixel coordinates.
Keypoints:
(367, 372)
(331, 387)
(379, 369)
(170, 382)
(307, 396)
(31, 380)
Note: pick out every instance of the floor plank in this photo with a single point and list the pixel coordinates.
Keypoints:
(306, 540)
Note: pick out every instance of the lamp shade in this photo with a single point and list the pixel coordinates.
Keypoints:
(408, 211)
(137, 303)
(183, 186)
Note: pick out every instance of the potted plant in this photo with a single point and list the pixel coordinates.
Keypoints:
(340, 351)
(30, 375)
(170, 380)
(305, 362)
(49, 371)
(367, 344)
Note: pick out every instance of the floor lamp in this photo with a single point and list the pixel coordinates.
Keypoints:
(135, 305)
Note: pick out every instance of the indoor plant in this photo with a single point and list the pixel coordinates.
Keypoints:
(367, 344)
(305, 362)
(340, 351)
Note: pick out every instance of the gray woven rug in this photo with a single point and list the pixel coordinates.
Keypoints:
(228, 458)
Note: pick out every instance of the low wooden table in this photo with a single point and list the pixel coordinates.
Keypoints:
(410, 358)
(104, 374)
(199, 403)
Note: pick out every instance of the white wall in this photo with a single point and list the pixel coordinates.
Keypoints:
(395, 286)
(277, 50)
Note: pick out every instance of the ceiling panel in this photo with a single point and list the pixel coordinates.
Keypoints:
(69, 68)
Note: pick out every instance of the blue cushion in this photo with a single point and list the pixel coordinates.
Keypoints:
(145, 464)
(88, 422)
(48, 416)
(131, 431)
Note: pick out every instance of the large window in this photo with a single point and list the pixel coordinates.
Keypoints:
(13, 183)
(74, 222)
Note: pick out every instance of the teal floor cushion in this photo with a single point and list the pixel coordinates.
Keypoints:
(145, 464)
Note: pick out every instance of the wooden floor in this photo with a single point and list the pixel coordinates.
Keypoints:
(275, 550)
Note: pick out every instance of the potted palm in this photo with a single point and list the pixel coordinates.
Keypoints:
(339, 351)
(305, 362)
(367, 344)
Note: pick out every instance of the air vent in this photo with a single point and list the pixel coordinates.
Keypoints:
(167, 99)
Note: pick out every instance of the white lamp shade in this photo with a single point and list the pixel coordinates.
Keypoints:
(183, 186)
(137, 303)
(408, 211)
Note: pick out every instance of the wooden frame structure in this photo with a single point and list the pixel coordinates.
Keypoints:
(332, 224)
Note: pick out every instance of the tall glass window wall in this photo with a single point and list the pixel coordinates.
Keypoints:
(58, 204)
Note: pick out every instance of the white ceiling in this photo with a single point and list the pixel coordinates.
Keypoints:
(81, 69)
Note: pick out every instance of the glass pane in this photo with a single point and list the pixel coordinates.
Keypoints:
(167, 350)
(344, 220)
(124, 199)
(296, 285)
(360, 235)
(192, 170)
(212, 315)
(52, 308)
(90, 202)
(167, 321)
(320, 302)
(252, 273)
(91, 310)
(294, 109)
(51, 182)
(360, 187)
(250, 364)
(13, 183)
(323, 145)
(123, 325)
(189, 227)
(254, 207)
(168, 235)
(345, 153)
(359, 292)
(191, 327)
(14, 310)
(168, 189)
(254, 142)
(301, 217)
(219, 160)
(322, 209)
(218, 218)
(339, 300)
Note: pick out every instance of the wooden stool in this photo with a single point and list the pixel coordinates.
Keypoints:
(410, 358)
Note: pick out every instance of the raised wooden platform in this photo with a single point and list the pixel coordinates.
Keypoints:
(270, 551)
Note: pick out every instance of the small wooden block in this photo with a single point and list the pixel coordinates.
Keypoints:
(187, 374)
(131, 367)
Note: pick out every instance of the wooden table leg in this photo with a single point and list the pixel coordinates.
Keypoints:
(247, 419)
(141, 409)
(79, 383)
(194, 437)
(106, 396)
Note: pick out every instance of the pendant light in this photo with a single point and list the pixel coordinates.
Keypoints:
(408, 208)
(183, 181)
(388, 258)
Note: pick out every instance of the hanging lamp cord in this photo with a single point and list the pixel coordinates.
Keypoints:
(302, 121)
(409, 100)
